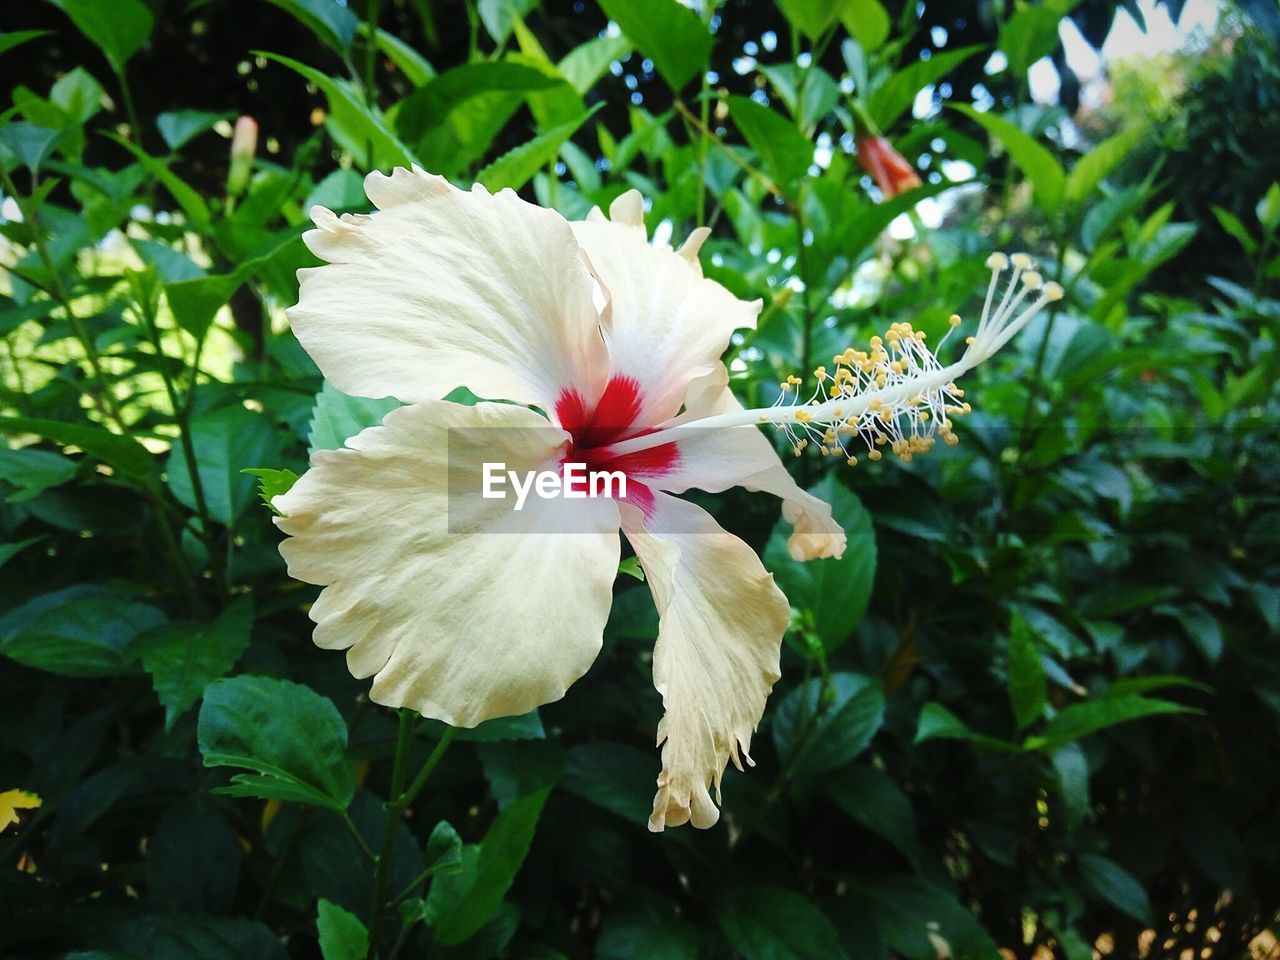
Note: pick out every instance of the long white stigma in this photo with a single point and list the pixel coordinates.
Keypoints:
(895, 396)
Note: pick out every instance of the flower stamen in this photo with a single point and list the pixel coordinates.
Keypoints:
(897, 394)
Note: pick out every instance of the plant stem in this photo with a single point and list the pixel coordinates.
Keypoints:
(135, 128)
(730, 153)
(184, 433)
(401, 800)
(358, 837)
(382, 863)
(420, 780)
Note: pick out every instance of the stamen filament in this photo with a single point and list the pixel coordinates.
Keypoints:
(896, 396)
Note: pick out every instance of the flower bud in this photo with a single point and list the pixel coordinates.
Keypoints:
(890, 170)
(244, 144)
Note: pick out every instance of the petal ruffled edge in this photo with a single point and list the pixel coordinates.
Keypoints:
(460, 626)
(721, 621)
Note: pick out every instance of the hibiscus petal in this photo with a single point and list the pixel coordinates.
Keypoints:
(665, 323)
(715, 460)
(444, 288)
(716, 659)
(463, 608)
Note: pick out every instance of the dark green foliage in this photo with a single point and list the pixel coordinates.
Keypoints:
(1037, 700)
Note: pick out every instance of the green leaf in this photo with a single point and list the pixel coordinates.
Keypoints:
(1093, 167)
(123, 453)
(292, 739)
(1216, 849)
(773, 923)
(1117, 597)
(894, 97)
(644, 924)
(914, 914)
(427, 108)
(78, 95)
(10, 550)
(500, 16)
(1082, 719)
(812, 17)
(1029, 35)
(193, 861)
(33, 471)
(460, 904)
(613, 776)
(515, 167)
(15, 38)
(415, 67)
(1027, 689)
(342, 935)
(81, 631)
(938, 723)
(272, 483)
(340, 190)
(1032, 158)
(444, 850)
(224, 440)
(14, 315)
(1135, 685)
(30, 143)
(587, 62)
(821, 726)
(784, 151)
(1204, 630)
(184, 658)
(1103, 217)
(1268, 208)
(190, 936)
(180, 126)
(867, 22)
(117, 28)
(1072, 767)
(668, 33)
(1116, 886)
(187, 197)
(631, 567)
(196, 302)
(358, 128)
(337, 417)
(868, 796)
(835, 591)
(333, 23)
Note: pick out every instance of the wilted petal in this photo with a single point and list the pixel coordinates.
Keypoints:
(665, 323)
(461, 626)
(720, 632)
(444, 288)
(715, 460)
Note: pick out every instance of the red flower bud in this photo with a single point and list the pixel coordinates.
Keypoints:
(890, 170)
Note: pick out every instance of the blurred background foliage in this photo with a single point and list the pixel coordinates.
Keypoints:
(1034, 711)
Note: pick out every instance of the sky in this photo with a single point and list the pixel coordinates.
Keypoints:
(1126, 39)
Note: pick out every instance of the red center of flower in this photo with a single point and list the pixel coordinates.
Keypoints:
(612, 419)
